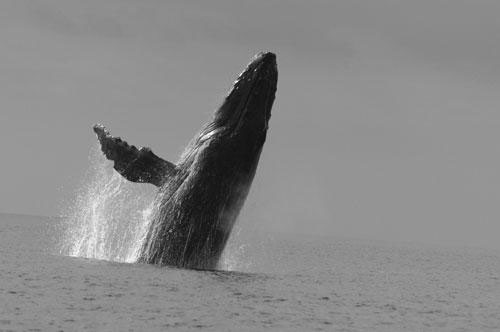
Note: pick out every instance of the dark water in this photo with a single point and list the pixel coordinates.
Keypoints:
(281, 283)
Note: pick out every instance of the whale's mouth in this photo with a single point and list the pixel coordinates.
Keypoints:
(249, 102)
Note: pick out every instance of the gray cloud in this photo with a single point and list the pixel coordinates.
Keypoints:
(385, 123)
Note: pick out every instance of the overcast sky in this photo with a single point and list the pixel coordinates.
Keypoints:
(386, 123)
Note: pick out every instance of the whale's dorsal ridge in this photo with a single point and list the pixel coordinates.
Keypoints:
(136, 165)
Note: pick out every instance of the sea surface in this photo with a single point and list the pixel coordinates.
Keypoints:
(270, 282)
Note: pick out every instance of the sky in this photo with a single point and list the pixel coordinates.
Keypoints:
(385, 124)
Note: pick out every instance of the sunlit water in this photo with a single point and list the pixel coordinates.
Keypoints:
(77, 273)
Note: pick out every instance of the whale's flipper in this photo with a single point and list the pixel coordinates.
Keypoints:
(134, 164)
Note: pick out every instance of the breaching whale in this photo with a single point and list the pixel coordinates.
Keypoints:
(200, 196)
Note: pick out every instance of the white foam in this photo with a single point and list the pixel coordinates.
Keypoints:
(109, 216)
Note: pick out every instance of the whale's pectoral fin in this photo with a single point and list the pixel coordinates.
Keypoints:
(136, 165)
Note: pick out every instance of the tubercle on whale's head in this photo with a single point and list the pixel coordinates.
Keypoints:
(247, 107)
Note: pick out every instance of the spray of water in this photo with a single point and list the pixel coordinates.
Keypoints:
(109, 216)
(231, 256)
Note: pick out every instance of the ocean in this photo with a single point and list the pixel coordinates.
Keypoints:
(266, 282)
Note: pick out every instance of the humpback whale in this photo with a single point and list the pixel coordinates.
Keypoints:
(199, 197)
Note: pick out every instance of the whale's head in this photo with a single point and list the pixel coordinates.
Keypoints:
(242, 119)
(247, 107)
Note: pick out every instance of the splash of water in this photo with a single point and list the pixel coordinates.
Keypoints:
(234, 257)
(109, 216)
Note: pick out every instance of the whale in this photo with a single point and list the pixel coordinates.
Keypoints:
(200, 196)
